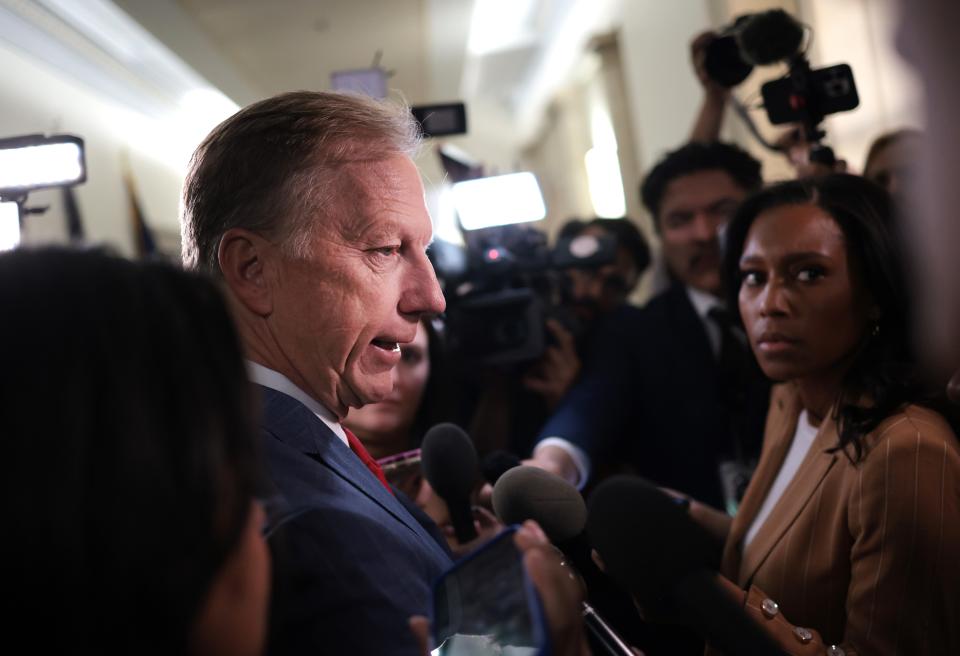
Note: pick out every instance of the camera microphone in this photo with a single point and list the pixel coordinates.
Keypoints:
(449, 462)
(770, 36)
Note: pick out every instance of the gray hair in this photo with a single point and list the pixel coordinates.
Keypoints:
(278, 164)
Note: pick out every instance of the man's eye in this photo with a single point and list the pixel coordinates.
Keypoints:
(387, 251)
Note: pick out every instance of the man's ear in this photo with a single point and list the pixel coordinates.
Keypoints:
(246, 263)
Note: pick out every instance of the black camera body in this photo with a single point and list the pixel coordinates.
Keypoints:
(503, 286)
(805, 96)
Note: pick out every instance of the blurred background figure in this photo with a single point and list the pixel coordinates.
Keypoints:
(130, 465)
(892, 159)
(594, 293)
(398, 423)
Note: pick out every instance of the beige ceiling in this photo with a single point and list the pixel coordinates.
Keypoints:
(297, 44)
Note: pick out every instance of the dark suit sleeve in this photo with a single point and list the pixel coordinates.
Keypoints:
(324, 602)
(608, 399)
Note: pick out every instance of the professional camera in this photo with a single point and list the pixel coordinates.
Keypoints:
(804, 96)
(505, 282)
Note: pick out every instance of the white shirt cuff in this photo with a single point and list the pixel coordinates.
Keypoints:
(580, 459)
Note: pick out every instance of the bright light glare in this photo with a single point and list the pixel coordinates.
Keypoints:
(605, 183)
(499, 200)
(499, 24)
(9, 226)
(44, 165)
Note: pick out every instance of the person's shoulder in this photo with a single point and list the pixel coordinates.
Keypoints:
(913, 429)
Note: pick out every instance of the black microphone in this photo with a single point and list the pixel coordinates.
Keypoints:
(650, 545)
(449, 462)
(524, 493)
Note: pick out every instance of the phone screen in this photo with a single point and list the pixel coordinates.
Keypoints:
(485, 605)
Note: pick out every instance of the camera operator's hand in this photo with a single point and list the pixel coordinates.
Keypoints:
(706, 129)
(698, 57)
(797, 150)
(557, 370)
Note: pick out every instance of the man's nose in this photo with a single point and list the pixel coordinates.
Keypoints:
(705, 226)
(422, 294)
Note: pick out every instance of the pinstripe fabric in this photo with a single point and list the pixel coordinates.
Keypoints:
(868, 555)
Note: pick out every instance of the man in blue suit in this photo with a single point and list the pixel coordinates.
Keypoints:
(673, 391)
(310, 209)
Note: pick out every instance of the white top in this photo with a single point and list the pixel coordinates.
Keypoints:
(702, 304)
(277, 381)
(802, 441)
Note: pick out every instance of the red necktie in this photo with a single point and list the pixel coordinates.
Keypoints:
(357, 447)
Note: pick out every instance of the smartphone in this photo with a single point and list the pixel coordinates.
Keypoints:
(403, 471)
(486, 605)
(831, 90)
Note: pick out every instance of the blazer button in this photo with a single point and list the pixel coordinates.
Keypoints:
(769, 608)
(803, 635)
(833, 650)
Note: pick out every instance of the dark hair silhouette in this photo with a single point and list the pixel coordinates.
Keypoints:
(129, 462)
(694, 158)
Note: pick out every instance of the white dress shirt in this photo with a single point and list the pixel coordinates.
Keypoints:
(276, 381)
(702, 303)
(802, 441)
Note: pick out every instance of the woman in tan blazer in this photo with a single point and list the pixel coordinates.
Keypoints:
(848, 538)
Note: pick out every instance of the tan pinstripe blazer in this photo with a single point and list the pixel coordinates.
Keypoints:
(867, 556)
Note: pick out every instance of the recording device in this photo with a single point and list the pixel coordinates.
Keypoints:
(524, 493)
(504, 286)
(651, 546)
(486, 605)
(441, 120)
(805, 96)
(449, 462)
(403, 471)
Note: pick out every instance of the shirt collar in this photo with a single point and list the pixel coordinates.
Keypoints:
(267, 377)
(703, 302)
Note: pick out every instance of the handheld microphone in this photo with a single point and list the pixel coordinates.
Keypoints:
(449, 462)
(650, 545)
(524, 493)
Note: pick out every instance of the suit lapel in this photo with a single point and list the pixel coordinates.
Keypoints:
(795, 498)
(296, 426)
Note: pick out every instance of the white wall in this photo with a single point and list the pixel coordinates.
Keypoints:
(663, 93)
(38, 99)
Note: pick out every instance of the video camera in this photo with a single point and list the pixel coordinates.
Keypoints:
(805, 96)
(505, 282)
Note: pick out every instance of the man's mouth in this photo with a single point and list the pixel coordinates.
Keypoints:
(387, 345)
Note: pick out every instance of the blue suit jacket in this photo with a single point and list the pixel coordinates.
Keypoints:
(351, 562)
(651, 397)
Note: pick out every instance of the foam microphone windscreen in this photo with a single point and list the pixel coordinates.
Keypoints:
(646, 540)
(449, 461)
(770, 36)
(524, 493)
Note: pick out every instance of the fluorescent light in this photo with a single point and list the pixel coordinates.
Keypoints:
(35, 161)
(9, 226)
(499, 200)
(500, 25)
(605, 183)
